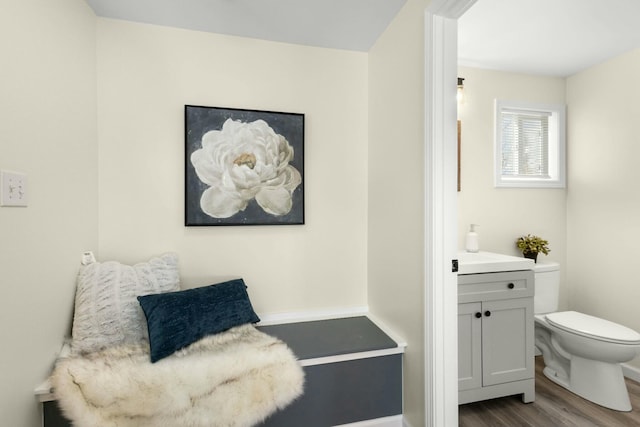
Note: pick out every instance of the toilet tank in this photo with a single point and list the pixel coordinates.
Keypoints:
(547, 287)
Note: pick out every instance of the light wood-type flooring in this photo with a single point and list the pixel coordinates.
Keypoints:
(554, 407)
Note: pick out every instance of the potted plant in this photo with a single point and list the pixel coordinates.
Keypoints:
(531, 246)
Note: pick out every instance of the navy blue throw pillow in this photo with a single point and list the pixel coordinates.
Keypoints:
(177, 319)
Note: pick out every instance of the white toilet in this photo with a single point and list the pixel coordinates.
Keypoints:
(581, 353)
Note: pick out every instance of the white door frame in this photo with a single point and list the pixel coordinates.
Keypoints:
(441, 211)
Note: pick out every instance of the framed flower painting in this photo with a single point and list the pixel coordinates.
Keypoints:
(243, 167)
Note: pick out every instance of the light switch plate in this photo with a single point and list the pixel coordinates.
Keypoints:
(13, 189)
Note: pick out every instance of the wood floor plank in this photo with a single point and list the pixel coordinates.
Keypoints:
(554, 407)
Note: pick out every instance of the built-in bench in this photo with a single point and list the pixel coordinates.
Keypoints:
(353, 373)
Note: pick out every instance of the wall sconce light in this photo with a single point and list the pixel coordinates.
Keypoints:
(460, 93)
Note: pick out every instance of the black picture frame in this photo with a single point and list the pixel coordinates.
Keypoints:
(250, 172)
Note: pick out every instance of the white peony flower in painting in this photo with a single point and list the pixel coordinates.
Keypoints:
(245, 161)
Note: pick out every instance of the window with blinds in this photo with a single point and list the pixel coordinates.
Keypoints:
(529, 145)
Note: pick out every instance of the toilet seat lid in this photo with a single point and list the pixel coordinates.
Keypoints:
(593, 327)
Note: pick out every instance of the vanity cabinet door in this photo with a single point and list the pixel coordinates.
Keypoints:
(507, 340)
(495, 336)
(469, 346)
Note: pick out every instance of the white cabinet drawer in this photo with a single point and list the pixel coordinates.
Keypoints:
(495, 286)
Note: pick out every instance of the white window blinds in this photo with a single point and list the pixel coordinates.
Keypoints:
(525, 143)
(529, 148)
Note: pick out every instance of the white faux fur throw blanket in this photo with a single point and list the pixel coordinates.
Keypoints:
(233, 379)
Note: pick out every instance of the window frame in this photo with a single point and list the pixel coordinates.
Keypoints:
(556, 149)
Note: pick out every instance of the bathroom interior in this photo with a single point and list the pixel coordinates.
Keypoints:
(591, 224)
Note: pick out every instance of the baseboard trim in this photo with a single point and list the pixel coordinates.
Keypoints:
(309, 316)
(631, 372)
(393, 421)
(380, 324)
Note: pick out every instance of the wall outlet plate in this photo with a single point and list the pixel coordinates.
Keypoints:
(13, 189)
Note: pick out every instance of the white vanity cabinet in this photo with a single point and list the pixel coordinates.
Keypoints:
(495, 336)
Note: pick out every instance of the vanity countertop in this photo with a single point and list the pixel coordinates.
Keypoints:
(489, 262)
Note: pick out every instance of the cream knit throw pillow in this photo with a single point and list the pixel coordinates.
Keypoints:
(107, 312)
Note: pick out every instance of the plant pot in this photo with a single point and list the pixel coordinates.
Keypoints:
(531, 255)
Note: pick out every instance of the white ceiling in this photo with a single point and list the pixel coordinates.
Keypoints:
(341, 24)
(549, 37)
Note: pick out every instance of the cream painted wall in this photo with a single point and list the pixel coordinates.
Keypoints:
(146, 74)
(396, 192)
(108, 101)
(504, 214)
(603, 201)
(48, 131)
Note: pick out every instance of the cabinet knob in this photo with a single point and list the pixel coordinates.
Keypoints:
(487, 313)
(478, 315)
(511, 286)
